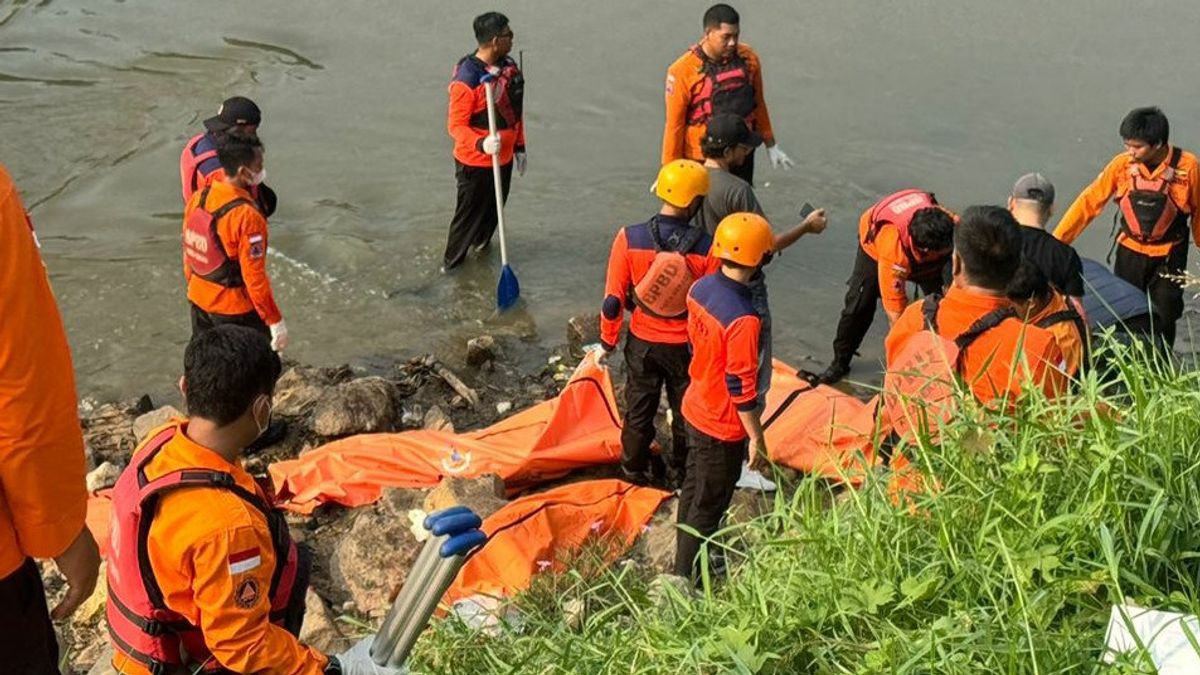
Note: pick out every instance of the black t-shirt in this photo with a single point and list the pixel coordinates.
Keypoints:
(1058, 261)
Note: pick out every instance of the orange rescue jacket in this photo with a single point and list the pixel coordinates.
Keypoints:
(243, 234)
(685, 90)
(467, 119)
(43, 498)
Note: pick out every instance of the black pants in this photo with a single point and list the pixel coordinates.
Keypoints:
(713, 468)
(862, 299)
(27, 642)
(202, 321)
(1166, 297)
(746, 170)
(650, 366)
(474, 219)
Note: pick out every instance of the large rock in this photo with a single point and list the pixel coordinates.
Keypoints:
(108, 433)
(150, 421)
(436, 420)
(298, 390)
(360, 406)
(103, 655)
(319, 629)
(582, 330)
(372, 560)
(483, 495)
(656, 547)
(480, 350)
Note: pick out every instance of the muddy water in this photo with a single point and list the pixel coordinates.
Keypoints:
(958, 97)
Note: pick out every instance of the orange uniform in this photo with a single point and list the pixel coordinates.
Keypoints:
(723, 330)
(988, 366)
(213, 559)
(686, 90)
(1065, 323)
(43, 498)
(467, 119)
(243, 234)
(633, 253)
(1115, 180)
(894, 265)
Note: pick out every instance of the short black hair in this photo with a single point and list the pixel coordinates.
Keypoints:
(719, 14)
(489, 26)
(1148, 125)
(714, 150)
(237, 151)
(1027, 283)
(988, 241)
(225, 369)
(932, 229)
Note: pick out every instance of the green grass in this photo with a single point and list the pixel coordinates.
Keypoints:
(1045, 518)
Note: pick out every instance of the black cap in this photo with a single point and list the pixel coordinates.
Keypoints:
(234, 111)
(726, 130)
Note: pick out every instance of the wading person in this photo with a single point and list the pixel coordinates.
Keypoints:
(203, 575)
(718, 74)
(650, 269)
(720, 405)
(225, 249)
(43, 500)
(1156, 187)
(239, 117)
(904, 237)
(475, 218)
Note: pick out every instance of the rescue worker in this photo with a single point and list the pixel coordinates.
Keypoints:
(720, 405)
(1032, 204)
(203, 575)
(225, 249)
(1001, 353)
(43, 497)
(475, 217)
(1040, 304)
(198, 164)
(726, 144)
(717, 74)
(1156, 187)
(650, 269)
(903, 237)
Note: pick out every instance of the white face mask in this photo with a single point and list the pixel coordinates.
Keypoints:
(258, 178)
(262, 428)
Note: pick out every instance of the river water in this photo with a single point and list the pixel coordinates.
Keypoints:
(958, 97)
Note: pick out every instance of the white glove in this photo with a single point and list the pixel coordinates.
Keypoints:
(520, 160)
(491, 144)
(279, 336)
(357, 661)
(779, 158)
(601, 352)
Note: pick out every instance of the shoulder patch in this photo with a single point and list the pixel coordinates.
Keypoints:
(258, 247)
(247, 594)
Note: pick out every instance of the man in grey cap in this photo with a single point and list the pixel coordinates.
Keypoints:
(1032, 203)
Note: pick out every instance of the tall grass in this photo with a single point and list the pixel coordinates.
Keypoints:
(1045, 517)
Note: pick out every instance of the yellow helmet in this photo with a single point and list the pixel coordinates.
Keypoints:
(680, 181)
(743, 238)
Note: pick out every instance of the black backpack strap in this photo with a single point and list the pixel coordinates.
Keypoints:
(681, 241)
(1176, 155)
(982, 325)
(229, 206)
(929, 308)
(1057, 317)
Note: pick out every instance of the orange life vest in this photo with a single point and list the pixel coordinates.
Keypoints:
(726, 88)
(662, 291)
(898, 209)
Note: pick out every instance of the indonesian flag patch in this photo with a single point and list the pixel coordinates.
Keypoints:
(244, 561)
(257, 246)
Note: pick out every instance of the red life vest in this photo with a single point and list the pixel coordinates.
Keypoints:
(662, 291)
(1148, 214)
(202, 244)
(726, 88)
(508, 88)
(189, 167)
(899, 209)
(139, 622)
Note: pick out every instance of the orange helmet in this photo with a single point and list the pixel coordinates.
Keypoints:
(743, 238)
(680, 181)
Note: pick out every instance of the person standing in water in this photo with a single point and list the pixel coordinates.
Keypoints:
(475, 216)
